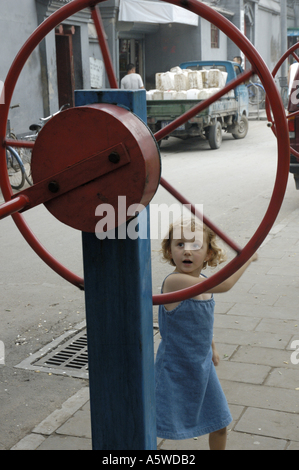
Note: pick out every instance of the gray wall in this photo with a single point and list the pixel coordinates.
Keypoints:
(269, 38)
(207, 52)
(36, 90)
(234, 6)
(14, 31)
(171, 45)
(265, 34)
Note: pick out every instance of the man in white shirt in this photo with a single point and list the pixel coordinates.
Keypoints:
(132, 81)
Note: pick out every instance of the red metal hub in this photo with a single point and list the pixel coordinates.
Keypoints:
(119, 157)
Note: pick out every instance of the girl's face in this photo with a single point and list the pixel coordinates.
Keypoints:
(189, 257)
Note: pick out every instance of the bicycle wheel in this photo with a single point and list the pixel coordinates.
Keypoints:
(256, 93)
(26, 159)
(15, 167)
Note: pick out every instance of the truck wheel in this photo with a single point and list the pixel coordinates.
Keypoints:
(296, 177)
(241, 129)
(215, 136)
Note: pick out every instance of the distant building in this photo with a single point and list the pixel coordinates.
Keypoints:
(69, 58)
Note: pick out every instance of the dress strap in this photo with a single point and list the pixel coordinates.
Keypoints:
(176, 273)
(165, 280)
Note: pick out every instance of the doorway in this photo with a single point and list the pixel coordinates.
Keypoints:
(130, 51)
(65, 64)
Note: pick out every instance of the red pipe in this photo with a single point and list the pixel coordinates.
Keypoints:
(15, 205)
(295, 56)
(292, 115)
(18, 143)
(96, 16)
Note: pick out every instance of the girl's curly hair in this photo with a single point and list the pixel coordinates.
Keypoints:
(218, 255)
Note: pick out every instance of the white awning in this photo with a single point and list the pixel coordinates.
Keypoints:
(155, 12)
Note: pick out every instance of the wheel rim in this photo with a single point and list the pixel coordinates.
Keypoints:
(219, 134)
(242, 126)
(260, 69)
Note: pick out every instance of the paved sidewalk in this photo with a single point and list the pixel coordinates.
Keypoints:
(255, 326)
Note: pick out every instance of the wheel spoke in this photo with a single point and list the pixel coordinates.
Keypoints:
(19, 143)
(201, 217)
(11, 207)
(295, 153)
(283, 58)
(292, 115)
(202, 105)
(295, 56)
(96, 16)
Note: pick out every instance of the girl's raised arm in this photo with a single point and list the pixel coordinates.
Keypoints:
(231, 281)
(183, 281)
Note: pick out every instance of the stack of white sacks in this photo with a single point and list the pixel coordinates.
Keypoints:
(188, 84)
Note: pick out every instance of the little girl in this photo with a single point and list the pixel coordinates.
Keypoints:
(190, 400)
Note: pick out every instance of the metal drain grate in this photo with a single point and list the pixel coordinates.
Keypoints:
(70, 355)
(66, 355)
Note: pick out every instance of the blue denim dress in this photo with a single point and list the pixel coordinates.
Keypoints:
(189, 397)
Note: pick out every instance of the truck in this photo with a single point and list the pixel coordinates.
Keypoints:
(230, 113)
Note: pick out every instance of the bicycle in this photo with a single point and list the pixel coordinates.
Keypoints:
(37, 127)
(256, 92)
(15, 166)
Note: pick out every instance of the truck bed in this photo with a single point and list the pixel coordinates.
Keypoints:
(171, 109)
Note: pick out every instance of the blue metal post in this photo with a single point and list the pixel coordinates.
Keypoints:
(118, 293)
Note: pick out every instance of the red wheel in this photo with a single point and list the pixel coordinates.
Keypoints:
(259, 68)
(270, 117)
